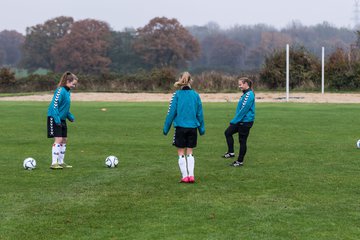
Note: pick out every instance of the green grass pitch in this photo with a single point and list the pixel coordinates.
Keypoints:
(301, 178)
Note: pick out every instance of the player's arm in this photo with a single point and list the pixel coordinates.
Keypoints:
(171, 114)
(70, 117)
(245, 106)
(55, 108)
(200, 117)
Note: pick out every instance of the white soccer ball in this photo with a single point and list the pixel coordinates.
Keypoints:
(358, 143)
(29, 163)
(111, 161)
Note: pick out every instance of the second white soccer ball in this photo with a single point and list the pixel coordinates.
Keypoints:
(358, 143)
(29, 163)
(111, 161)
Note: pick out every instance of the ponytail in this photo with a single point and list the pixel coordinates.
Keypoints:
(67, 77)
(184, 80)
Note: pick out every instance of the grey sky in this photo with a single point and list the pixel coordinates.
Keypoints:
(19, 14)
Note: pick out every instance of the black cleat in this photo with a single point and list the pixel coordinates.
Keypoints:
(228, 155)
(237, 164)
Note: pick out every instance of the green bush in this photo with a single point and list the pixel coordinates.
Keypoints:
(156, 80)
(305, 69)
(7, 79)
(342, 73)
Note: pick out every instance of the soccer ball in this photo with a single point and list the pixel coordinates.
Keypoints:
(111, 161)
(29, 163)
(358, 143)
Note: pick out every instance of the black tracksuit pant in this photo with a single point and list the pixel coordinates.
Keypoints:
(243, 129)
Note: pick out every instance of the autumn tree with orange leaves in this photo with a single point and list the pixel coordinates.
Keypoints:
(84, 49)
(40, 39)
(165, 42)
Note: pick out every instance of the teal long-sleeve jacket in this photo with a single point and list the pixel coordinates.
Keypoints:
(245, 111)
(59, 107)
(185, 110)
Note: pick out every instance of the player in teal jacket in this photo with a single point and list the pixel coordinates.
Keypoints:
(242, 122)
(58, 112)
(185, 111)
(59, 107)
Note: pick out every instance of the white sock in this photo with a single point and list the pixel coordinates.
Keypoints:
(182, 166)
(55, 153)
(62, 153)
(191, 164)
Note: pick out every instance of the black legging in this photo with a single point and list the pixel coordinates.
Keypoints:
(243, 129)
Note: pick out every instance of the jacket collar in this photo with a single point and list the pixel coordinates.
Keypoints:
(186, 88)
(247, 90)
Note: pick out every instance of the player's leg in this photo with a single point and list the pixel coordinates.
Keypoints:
(56, 153)
(63, 146)
(191, 164)
(243, 136)
(179, 142)
(229, 132)
(54, 131)
(62, 154)
(191, 143)
(62, 151)
(183, 165)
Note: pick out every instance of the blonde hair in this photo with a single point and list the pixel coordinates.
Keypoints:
(67, 77)
(184, 80)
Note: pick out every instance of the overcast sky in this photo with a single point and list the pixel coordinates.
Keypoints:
(19, 14)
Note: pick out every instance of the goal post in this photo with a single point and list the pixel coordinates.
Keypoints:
(287, 72)
(322, 69)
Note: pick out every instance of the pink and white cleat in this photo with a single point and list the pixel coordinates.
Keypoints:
(191, 179)
(184, 180)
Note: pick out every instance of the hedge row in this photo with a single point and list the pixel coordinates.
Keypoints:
(157, 80)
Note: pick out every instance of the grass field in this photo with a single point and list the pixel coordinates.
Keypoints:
(300, 180)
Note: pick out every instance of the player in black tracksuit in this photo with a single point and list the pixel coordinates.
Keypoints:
(242, 122)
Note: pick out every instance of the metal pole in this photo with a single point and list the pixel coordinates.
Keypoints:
(322, 69)
(287, 72)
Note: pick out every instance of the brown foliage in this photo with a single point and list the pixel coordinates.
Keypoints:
(338, 61)
(215, 82)
(165, 42)
(7, 79)
(343, 70)
(39, 41)
(84, 49)
(305, 69)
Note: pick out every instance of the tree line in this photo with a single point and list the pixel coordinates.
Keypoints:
(91, 47)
